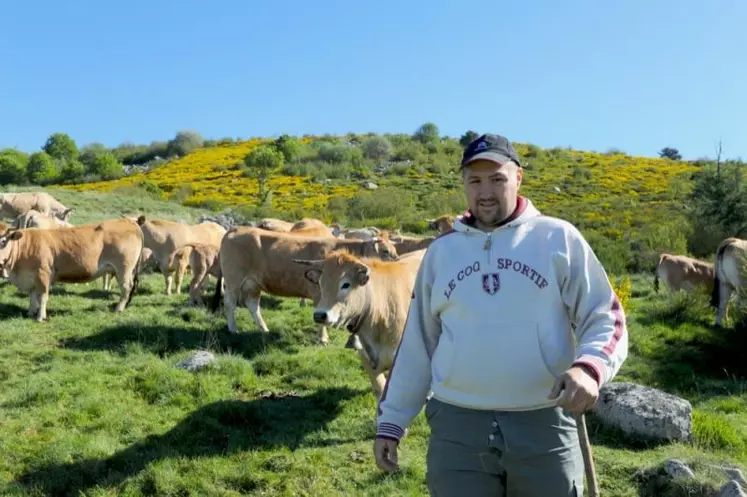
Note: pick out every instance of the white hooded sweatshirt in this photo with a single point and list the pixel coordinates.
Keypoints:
(495, 317)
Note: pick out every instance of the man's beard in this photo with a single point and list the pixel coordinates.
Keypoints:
(488, 212)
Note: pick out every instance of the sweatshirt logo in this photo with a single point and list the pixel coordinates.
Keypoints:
(491, 283)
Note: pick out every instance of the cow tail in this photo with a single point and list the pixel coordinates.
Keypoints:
(215, 302)
(136, 276)
(716, 283)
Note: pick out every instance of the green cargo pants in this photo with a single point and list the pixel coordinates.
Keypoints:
(502, 453)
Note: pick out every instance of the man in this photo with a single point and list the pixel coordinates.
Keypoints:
(490, 333)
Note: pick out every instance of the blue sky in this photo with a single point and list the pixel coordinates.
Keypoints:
(636, 75)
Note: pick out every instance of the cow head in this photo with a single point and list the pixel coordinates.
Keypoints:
(64, 215)
(382, 247)
(7, 240)
(343, 281)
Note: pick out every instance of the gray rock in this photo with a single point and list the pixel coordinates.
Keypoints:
(678, 469)
(644, 413)
(370, 185)
(731, 489)
(736, 475)
(199, 360)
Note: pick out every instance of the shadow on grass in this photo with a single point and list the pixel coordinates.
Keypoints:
(710, 362)
(218, 429)
(165, 340)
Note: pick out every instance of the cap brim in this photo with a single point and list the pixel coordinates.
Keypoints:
(489, 156)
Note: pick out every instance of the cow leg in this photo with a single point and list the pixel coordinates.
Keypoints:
(33, 311)
(252, 303)
(180, 272)
(378, 381)
(199, 275)
(107, 282)
(126, 281)
(230, 301)
(724, 294)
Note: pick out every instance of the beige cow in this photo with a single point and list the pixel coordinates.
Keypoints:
(728, 272)
(13, 205)
(163, 237)
(203, 259)
(679, 272)
(272, 224)
(146, 261)
(35, 219)
(370, 298)
(36, 258)
(254, 260)
(406, 244)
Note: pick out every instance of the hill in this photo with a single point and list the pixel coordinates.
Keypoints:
(618, 201)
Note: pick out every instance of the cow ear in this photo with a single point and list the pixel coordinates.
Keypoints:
(313, 275)
(362, 275)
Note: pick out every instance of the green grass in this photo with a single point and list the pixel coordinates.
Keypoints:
(92, 403)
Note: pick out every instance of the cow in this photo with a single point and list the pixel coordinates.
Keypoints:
(272, 224)
(35, 219)
(163, 237)
(13, 205)
(442, 224)
(679, 272)
(253, 260)
(146, 261)
(356, 233)
(37, 258)
(728, 274)
(406, 244)
(370, 298)
(203, 259)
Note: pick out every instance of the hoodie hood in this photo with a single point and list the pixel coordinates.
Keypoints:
(524, 211)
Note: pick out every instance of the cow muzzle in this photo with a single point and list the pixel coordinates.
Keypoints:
(320, 317)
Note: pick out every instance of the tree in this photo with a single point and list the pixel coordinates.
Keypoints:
(61, 147)
(377, 148)
(260, 164)
(467, 138)
(13, 165)
(289, 147)
(426, 133)
(670, 153)
(185, 142)
(42, 169)
(106, 166)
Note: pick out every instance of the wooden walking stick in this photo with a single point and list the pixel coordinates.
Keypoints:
(583, 436)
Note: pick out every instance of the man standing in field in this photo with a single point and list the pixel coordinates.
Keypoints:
(497, 306)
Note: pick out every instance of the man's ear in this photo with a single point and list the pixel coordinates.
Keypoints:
(313, 275)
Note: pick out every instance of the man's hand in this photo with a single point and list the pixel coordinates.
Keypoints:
(580, 390)
(385, 451)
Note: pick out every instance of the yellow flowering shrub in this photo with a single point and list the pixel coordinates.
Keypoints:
(623, 289)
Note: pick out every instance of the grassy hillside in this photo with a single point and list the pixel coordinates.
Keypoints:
(92, 403)
(617, 200)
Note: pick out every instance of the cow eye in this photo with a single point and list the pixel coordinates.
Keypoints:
(345, 286)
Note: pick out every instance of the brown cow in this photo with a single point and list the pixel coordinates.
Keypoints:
(36, 258)
(203, 259)
(371, 298)
(35, 219)
(254, 260)
(679, 272)
(13, 205)
(146, 261)
(163, 237)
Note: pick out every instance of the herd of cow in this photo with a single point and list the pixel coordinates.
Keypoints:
(358, 279)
